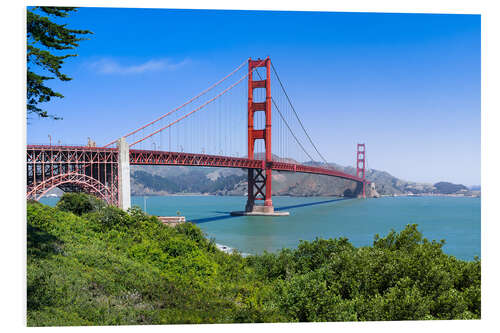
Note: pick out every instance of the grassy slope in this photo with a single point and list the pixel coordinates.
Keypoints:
(110, 267)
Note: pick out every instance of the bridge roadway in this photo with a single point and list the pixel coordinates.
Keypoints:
(155, 157)
(105, 172)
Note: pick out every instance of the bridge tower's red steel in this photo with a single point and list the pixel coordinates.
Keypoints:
(360, 164)
(257, 179)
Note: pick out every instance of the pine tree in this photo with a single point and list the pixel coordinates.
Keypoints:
(44, 37)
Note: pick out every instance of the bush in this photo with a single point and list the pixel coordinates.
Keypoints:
(110, 218)
(402, 276)
(105, 266)
(79, 203)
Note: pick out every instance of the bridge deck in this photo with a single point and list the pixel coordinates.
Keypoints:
(153, 157)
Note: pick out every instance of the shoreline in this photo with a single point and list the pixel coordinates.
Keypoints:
(230, 250)
(429, 195)
(238, 195)
(319, 196)
(290, 196)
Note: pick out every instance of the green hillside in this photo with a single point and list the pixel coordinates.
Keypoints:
(163, 180)
(104, 266)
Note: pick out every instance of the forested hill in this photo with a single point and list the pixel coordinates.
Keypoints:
(449, 188)
(164, 180)
(193, 182)
(174, 180)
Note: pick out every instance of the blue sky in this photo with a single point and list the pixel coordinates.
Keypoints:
(408, 85)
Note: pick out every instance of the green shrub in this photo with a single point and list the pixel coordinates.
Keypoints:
(79, 203)
(110, 218)
(105, 266)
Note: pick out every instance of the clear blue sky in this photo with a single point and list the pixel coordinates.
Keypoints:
(408, 85)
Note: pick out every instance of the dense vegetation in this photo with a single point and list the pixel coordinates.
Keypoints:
(90, 264)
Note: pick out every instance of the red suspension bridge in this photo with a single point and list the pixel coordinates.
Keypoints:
(211, 129)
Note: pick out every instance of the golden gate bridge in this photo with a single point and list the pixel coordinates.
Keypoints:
(212, 129)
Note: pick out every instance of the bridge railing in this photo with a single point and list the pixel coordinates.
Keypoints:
(56, 144)
(67, 147)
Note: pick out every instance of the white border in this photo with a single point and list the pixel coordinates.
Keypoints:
(13, 136)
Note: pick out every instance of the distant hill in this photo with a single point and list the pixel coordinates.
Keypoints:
(163, 180)
(449, 188)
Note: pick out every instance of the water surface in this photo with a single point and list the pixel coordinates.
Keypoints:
(455, 219)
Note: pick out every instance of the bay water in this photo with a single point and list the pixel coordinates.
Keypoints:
(457, 220)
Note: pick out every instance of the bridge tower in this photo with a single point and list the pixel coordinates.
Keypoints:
(360, 164)
(259, 180)
(124, 198)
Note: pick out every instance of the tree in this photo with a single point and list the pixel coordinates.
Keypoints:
(44, 37)
(79, 203)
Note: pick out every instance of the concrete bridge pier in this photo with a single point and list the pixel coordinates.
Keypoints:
(123, 174)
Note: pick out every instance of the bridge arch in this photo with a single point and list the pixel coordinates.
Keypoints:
(86, 183)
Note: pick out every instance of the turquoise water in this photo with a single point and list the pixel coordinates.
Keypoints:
(457, 220)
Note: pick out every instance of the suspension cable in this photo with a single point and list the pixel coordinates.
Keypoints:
(296, 115)
(193, 111)
(286, 123)
(183, 105)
